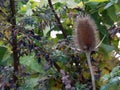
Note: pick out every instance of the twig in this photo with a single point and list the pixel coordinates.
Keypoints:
(100, 42)
(57, 19)
(57, 66)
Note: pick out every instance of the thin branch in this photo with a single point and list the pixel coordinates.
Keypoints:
(100, 42)
(57, 19)
(57, 66)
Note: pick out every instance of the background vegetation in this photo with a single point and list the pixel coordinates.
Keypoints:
(37, 51)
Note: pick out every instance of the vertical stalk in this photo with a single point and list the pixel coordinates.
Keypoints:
(91, 69)
(14, 41)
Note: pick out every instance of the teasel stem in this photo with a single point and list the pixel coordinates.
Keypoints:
(91, 69)
(86, 38)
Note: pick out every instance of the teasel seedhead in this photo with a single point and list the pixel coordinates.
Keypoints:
(85, 34)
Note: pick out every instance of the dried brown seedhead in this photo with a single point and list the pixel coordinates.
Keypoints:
(85, 35)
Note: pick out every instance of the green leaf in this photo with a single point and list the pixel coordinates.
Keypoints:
(43, 2)
(31, 63)
(105, 77)
(108, 5)
(29, 83)
(101, 28)
(114, 1)
(110, 86)
(2, 52)
(113, 84)
(114, 80)
(34, 4)
(112, 14)
(59, 56)
(29, 12)
(46, 31)
(77, 1)
(107, 48)
(106, 18)
(4, 56)
(79, 86)
(116, 69)
(117, 8)
(104, 87)
(58, 5)
(70, 4)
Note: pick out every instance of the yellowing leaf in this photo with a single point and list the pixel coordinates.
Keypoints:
(68, 21)
(24, 8)
(80, 4)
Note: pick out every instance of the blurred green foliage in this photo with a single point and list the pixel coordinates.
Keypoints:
(39, 52)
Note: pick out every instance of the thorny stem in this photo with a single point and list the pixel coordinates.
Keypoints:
(91, 70)
(57, 19)
(14, 42)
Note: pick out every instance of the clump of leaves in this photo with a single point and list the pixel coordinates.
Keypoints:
(112, 80)
(6, 82)
(80, 86)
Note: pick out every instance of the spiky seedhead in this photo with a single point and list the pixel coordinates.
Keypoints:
(85, 35)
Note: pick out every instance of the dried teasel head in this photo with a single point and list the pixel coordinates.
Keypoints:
(85, 34)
